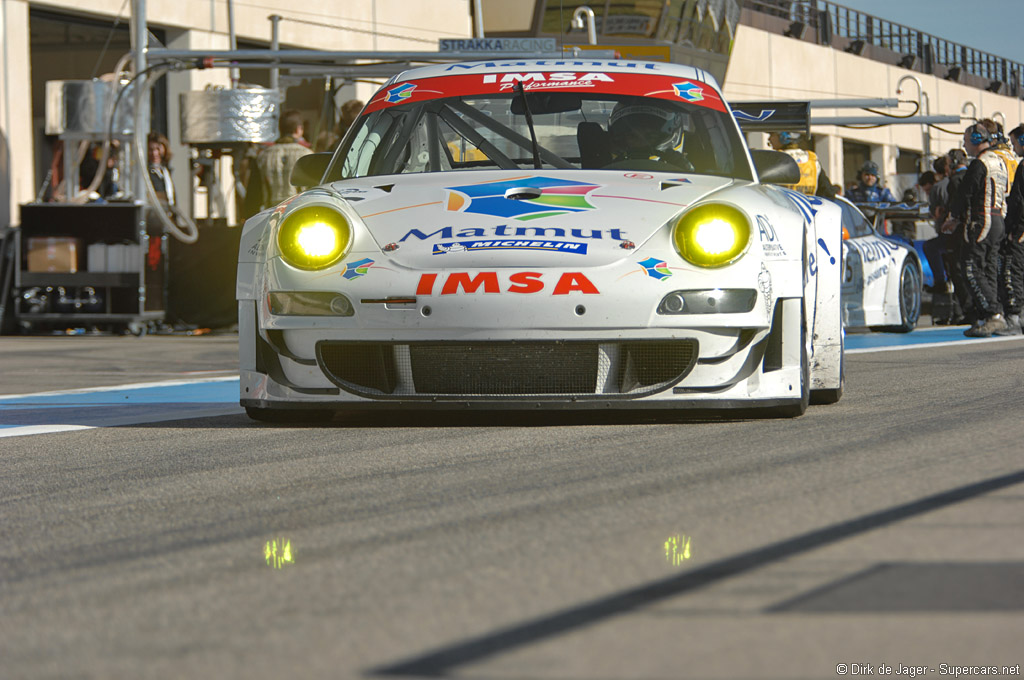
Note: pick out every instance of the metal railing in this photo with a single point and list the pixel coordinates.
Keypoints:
(705, 24)
(828, 23)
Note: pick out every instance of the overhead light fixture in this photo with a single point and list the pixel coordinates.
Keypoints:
(954, 74)
(797, 29)
(856, 47)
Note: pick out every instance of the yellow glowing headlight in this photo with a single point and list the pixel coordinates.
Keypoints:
(314, 237)
(712, 235)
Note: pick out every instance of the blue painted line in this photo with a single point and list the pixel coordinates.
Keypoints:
(922, 337)
(196, 393)
(50, 412)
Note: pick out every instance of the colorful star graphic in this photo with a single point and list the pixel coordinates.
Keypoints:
(399, 94)
(558, 196)
(691, 92)
(655, 268)
(353, 270)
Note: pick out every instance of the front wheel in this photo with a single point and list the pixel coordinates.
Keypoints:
(910, 299)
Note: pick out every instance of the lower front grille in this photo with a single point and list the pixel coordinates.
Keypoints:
(456, 370)
(505, 368)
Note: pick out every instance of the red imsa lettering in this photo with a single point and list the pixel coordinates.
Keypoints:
(525, 282)
(574, 281)
(489, 280)
(519, 282)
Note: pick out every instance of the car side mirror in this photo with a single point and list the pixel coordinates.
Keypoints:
(310, 169)
(775, 167)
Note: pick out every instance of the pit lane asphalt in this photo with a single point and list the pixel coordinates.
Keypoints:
(886, 529)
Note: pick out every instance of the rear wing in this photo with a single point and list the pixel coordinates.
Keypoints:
(772, 116)
(899, 211)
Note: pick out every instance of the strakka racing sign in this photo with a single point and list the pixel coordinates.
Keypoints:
(670, 88)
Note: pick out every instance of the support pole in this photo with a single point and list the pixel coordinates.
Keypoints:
(140, 48)
(478, 19)
(275, 45)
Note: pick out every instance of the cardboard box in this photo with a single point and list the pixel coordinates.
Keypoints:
(54, 254)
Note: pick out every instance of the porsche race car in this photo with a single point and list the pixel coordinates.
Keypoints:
(539, 234)
(883, 274)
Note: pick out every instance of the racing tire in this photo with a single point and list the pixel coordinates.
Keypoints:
(283, 416)
(910, 299)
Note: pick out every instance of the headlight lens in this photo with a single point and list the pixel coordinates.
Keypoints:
(314, 237)
(712, 235)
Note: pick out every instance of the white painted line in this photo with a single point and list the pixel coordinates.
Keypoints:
(182, 414)
(41, 429)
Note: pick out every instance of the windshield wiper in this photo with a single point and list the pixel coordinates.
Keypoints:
(521, 91)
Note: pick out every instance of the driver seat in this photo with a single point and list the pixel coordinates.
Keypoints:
(593, 141)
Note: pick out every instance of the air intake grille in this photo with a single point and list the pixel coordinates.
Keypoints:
(506, 369)
(502, 368)
(361, 367)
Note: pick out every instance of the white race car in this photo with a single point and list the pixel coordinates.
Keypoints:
(882, 276)
(542, 234)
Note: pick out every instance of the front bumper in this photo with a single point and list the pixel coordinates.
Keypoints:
(722, 367)
(599, 338)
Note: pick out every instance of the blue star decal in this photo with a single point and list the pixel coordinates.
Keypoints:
(400, 93)
(691, 92)
(353, 270)
(655, 268)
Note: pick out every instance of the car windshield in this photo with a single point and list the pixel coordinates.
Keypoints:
(854, 222)
(415, 127)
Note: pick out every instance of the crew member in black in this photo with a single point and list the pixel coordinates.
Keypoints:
(950, 240)
(979, 204)
(1012, 275)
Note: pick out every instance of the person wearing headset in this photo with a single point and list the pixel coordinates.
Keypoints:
(1001, 147)
(869, 191)
(1011, 275)
(813, 180)
(979, 204)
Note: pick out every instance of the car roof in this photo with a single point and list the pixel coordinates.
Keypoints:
(574, 64)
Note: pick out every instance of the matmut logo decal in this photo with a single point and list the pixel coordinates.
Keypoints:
(518, 282)
(557, 197)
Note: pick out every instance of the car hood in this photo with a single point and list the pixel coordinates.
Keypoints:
(526, 218)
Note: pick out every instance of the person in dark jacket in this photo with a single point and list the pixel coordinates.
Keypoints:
(869, 190)
(943, 251)
(1011, 276)
(979, 204)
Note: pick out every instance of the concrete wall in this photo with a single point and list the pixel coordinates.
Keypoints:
(17, 153)
(505, 16)
(766, 65)
(352, 25)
